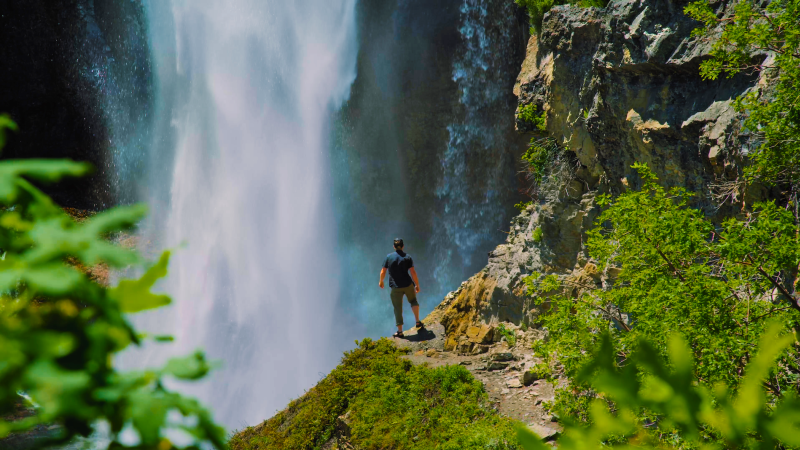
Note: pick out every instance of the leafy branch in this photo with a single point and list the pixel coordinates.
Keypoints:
(59, 330)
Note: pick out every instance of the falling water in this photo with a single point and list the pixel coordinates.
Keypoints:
(479, 163)
(241, 186)
(426, 147)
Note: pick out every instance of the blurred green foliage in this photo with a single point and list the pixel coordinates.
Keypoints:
(650, 403)
(59, 331)
(741, 40)
(391, 404)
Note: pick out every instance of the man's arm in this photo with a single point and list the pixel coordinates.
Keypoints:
(383, 274)
(414, 277)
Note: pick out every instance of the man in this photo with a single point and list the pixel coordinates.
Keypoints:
(399, 264)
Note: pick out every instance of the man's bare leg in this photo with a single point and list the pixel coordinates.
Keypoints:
(416, 312)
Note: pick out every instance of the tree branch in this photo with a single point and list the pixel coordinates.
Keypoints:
(792, 300)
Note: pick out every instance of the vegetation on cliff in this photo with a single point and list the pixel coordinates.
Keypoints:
(676, 272)
(767, 39)
(60, 330)
(538, 8)
(669, 270)
(656, 403)
(389, 403)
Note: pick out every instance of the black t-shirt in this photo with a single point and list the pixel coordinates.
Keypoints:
(398, 264)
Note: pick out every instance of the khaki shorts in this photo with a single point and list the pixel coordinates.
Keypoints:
(397, 301)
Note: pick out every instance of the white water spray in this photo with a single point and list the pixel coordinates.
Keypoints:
(248, 87)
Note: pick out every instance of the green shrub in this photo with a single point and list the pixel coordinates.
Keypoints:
(538, 8)
(537, 235)
(527, 113)
(522, 206)
(678, 273)
(60, 331)
(772, 112)
(541, 371)
(511, 338)
(539, 157)
(550, 169)
(390, 404)
(651, 403)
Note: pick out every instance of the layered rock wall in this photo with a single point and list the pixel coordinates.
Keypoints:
(619, 85)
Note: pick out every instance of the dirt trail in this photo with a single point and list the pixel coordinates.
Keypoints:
(501, 371)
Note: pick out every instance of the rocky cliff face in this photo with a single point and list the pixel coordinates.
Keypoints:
(619, 85)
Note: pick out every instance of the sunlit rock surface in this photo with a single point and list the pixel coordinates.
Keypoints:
(619, 85)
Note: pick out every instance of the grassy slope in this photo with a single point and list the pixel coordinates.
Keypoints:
(392, 404)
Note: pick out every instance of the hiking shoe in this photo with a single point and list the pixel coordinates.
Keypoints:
(420, 325)
(398, 334)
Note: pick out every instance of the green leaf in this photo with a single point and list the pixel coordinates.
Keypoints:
(6, 124)
(148, 413)
(134, 295)
(190, 367)
(41, 170)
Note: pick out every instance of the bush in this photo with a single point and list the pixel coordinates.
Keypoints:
(528, 114)
(59, 330)
(538, 8)
(549, 168)
(652, 403)
(678, 273)
(511, 338)
(522, 206)
(772, 112)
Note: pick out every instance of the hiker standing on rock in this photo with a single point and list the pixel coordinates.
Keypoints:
(399, 264)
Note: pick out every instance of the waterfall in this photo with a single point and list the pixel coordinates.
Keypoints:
(478, 165)
(425, 148)
(240, 188)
